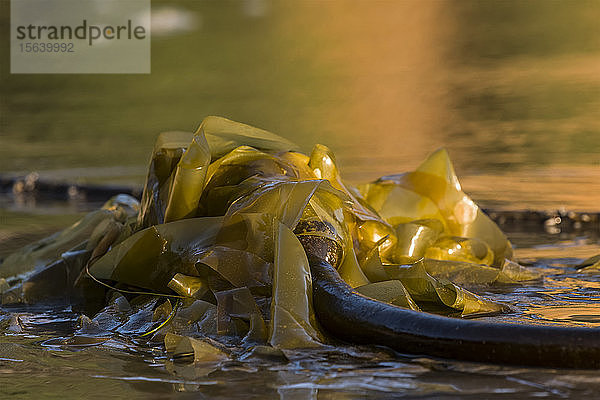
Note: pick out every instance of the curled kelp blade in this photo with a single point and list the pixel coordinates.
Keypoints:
(188, 180)
(473, 274)
(238, 314)
(390, 291)
(200, 350)
(36, 256)
(237, 268)
(322, 162)
(593, 262)
(350, 269)
(373, 233)
(414, 239)
(454, 248)
(438, 294)
(512, 272)
(188, 317)
(285, 200)
(398, 205)
(194, 317)
(243, 171)
(150, 258)
(433, 191)
(224, 135)
(460, 272)
(188, 286)
(372, 266)
(168, 150)
(52, 283)
(180, 161)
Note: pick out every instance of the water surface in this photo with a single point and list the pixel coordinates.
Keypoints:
(512, 89)
(509, 86)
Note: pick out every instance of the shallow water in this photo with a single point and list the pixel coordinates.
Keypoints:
(511, 89)
(41, 351)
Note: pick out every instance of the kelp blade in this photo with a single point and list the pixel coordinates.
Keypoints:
(231, 214)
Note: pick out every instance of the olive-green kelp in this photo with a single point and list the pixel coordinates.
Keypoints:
(351, 316)
(218, 247)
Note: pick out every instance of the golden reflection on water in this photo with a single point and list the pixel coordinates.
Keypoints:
(557, 187)
(573, 249)
(389, 67)
(562, 299)
(504, 86)
(568, 314)
(403, 85)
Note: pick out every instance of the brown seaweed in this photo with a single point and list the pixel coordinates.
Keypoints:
(228, 219)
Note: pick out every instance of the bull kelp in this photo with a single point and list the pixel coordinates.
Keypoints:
(217, 251)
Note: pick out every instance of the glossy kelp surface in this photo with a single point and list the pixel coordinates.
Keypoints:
(219, 245)
(359, 319)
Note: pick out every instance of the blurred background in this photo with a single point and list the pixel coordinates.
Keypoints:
(510, 88)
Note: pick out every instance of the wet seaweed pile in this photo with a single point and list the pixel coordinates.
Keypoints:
(212, 263)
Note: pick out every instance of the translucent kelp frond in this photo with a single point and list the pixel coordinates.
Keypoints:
(237, 313)
(285, 200)
(323, 163)
(435, 185)
(453, 248)
(188, 286)
(397, 205)
(150, 258)
(168, 149)
(439, 164)
(37, 255)
(415, 239)
(188, 180)
(293, 323)
(203, 351)
(390, 291)
(432, 293)
(228, 220)
(238, 173)
(175, 181)
(224, 135)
